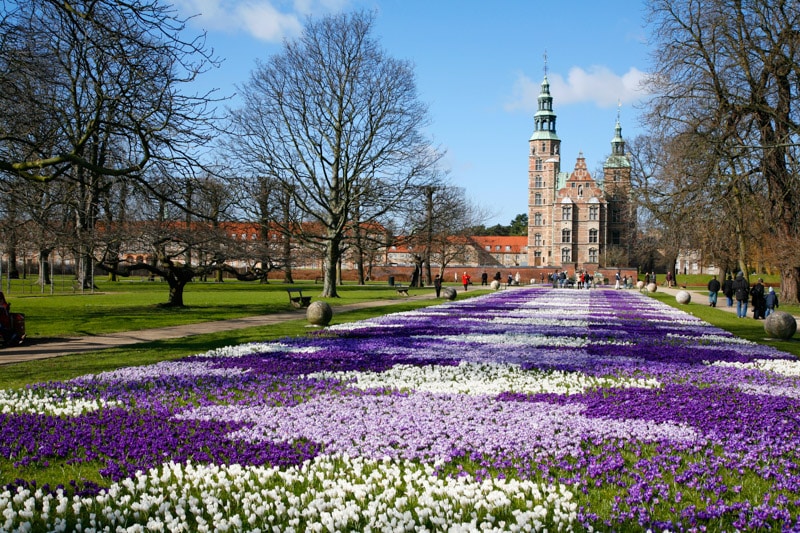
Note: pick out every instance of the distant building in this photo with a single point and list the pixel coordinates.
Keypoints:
(574, 221)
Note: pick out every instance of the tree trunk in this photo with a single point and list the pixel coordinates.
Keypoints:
(329, 268)
(790, 285)
(177, 277)
(360, 266)
(13, 272)
(44, 268)
(175, 292)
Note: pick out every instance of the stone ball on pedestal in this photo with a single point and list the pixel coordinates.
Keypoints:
(652, 287)
(495, 285)
(449, 293)
(683, 297)
(319, 313)
(640, 285)
(780, 325)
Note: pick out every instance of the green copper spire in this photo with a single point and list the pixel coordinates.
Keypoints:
(545, 119)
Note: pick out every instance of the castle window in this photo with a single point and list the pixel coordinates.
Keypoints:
(497, 248)
(537, 199)
(544, 147)
(615, 237)
(615, 214)
(488, 248)
(566, 255)
(566, 235)
(537, 182)
(537, 219)
(538, 164)
(508, 248)
(593, 255)
(537, 239)
(593, 212)
(593, 233)
(616, 175)
(580, 191)
(566, 212)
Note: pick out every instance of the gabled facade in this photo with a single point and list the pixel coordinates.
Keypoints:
(574, 221)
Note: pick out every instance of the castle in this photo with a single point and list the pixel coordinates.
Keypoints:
(575, 222)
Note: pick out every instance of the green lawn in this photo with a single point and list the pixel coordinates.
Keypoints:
(127, 305)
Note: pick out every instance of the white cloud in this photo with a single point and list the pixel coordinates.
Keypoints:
(266, 20)
(598, 85)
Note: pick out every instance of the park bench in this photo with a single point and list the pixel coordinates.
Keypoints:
(299, 300)
(401, 290)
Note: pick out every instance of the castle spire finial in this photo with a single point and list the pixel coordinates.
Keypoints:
(619, 108)
(545, 63)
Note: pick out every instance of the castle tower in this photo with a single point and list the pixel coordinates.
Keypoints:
(544, 165)
(621, 212)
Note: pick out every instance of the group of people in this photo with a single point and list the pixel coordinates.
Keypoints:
(764, 301)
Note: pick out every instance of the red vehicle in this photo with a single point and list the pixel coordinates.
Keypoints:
(12, 325)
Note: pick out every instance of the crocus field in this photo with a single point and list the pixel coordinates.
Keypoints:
(529, 409)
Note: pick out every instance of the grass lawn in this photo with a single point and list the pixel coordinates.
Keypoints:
(128, 306)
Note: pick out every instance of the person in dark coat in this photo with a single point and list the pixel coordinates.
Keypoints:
(727, 290)
(713, 290)
(741, 291)
(437, 284)
(771, 300)
(757, 296)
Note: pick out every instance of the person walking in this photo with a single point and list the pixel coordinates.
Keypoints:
(771, 302)
(727, 289)
(437, 284)
(465, 279)
(713, 290)
(484, 278)
(617, 279)
(741, 290)
(757, 296)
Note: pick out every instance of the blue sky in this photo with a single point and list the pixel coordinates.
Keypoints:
(479, 66)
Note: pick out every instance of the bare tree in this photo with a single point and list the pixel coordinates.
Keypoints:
(75, 74)
(158, 238)
(440, 233)
(339, 123)
(727, 75)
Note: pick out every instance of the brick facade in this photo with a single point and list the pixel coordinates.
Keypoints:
(574, 221)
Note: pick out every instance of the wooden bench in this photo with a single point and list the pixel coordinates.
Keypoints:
(299, 300)
(401, 290)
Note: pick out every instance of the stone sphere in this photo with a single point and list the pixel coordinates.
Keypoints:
(319, 313)
(495, 285)
(640, 285)
(683, 297)
(652, 287)
(780, 325)
(449, 293)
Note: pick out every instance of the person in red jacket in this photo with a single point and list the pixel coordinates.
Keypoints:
(465, 279)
